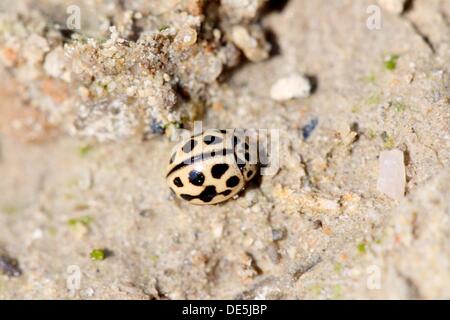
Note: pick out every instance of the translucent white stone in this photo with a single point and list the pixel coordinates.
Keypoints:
(392, 177)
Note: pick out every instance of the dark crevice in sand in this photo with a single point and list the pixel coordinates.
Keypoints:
(423, 36)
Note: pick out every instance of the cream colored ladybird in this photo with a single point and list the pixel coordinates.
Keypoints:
(212, 167)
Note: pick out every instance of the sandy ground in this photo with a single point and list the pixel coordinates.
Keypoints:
(318, 228)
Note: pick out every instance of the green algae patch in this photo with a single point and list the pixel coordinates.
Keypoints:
(390, 62)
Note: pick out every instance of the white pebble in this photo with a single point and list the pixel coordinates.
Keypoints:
(37, 234)
(89, 292)
(290, 87)
(54, 62)
(392, 177)
(393, 6)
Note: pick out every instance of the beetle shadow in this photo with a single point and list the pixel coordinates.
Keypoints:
(255, 183)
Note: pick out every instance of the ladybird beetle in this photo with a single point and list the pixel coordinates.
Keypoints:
(212, 166)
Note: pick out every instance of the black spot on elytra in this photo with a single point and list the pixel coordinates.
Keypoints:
(208, 194)
(188, 146)
(232, 182)
(177, 182)
(219, 169)
(187, 197)
(212, 154)
(222, 152)
(196, 178)
(249, 173)
(209, 139)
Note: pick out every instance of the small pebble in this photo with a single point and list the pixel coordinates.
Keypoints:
(157, 127)
(291, 87)
(9, 266)
(37, 234)
(54, 62)
(186, 37)
(393, 6)
(146, 213)
(253, 44)
(217, 230)
(392, 177)
(309, 128)
(317, 224)
(278, 234)
(89, 292)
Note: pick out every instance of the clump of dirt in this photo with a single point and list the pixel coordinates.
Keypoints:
(9, 266)
(136, 69)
